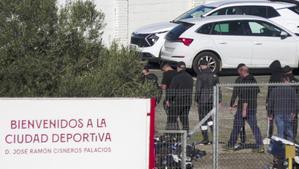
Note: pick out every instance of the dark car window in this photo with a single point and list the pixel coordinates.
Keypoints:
(261, 28)
(195, 12)
(258, 11)
(228, 28)
(176, 32)
(205, 29)
(236, 10)
(295, 9)
(271, 12)
(262, 11)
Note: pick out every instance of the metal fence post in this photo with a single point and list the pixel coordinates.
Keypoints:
(184, 149)
(215, 133)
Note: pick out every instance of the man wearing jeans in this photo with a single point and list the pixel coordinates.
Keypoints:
(246, 110)
(282, 104)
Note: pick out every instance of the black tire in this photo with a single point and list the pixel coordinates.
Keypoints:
(213, 60)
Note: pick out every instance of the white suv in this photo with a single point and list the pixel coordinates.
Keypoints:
(226, 41)
(149, 39)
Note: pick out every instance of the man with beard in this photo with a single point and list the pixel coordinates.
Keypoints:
(246, 110)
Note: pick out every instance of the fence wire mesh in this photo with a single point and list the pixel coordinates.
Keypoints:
(249, 114)
(226, 127)
(179, 111)
(171, 149)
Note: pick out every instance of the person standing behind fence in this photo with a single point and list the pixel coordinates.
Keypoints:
(168, 74)
(147, 76)
(246, 109)
(282, 103)
(276, 74)
(206, 80)
(233, 105)
(179, 98)
(287, 70)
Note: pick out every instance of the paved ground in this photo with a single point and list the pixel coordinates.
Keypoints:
(227, 160)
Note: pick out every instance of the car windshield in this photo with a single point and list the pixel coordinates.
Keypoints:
(195, 12)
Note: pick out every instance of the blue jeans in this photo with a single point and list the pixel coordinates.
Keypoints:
(239, 122)
(284, 126)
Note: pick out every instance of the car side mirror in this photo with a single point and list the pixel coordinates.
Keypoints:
(284, 35)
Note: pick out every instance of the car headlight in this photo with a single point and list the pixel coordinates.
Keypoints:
(152, 39)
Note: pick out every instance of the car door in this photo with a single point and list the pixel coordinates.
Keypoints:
(268, 45)
(232, 43)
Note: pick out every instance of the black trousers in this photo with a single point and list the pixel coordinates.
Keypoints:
(178, 111)
(203, 110)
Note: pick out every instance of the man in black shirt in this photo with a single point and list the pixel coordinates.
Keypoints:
(179, 98)
(206, 80)
(168, 75)
(233, 105)
(246, 109)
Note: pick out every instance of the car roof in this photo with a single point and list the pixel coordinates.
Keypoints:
(217, 18)
(274, 4)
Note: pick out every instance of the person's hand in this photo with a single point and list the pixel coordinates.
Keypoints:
(293, 115)
(270, 117)
(232, 108)
(167, 104)
(244, 113)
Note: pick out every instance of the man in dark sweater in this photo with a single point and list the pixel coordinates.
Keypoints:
(168, 74)
(282, 103)
(179, 98)
(206, 80)
(276, 74)
(246, 109)
(288, 71)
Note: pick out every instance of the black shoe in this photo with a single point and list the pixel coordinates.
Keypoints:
(204, 142)
(239, 146)
(260, 149)
(228, 148)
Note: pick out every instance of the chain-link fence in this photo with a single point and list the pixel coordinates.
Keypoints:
(249, 114)
(189, 112)
(170, 150)
(226, 127)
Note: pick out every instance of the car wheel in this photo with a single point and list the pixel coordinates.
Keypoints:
(213, 61)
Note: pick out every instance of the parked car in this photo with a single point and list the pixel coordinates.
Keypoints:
(226, 41)
(149, 39)
(286, 14)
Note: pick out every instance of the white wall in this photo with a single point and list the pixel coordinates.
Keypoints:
(143, 12)
(122, 17)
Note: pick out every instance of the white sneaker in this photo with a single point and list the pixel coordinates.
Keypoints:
(266, 141)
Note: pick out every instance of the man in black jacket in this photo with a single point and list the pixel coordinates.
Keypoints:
(276, 74)
(287, 71)
(282, 103)
(234, 105)
(246, 110)
(179, 98)
(168, 74)
(206, 80)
